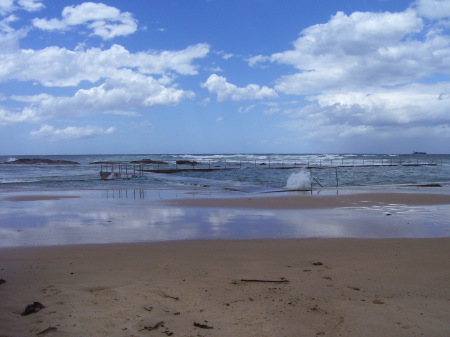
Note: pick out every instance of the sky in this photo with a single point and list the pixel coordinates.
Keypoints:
(224, 76)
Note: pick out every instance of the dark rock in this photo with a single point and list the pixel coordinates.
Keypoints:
(34, 161)
(187, 162)
(148, 161)
(154, 327)
(103, 162)
(202, 326)
(32, 308)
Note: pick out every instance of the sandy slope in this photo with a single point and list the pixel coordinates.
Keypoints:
(336, 287)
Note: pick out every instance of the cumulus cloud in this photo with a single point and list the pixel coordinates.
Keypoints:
(227, 91)
(55, 66)
(366, 74)
(11, 117)
(120, 95)
(414, 103)
(71, 132)
(361, 49)
(121, 82)
(9, 37)
(104, 21)
(8, 6)
(31, 5)
(433, 9)
(377, 113)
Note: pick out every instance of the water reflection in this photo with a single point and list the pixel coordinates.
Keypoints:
(110, 216)
(123, 194)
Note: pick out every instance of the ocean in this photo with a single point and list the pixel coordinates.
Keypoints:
(55, 204)
(225, 172)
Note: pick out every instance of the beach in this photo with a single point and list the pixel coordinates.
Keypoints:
(268, 287)
(299, 287)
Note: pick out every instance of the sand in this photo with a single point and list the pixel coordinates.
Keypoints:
(329, 287)
(318, 201)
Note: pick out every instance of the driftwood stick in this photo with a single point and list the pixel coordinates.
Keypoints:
(268, 281)
(172, 297)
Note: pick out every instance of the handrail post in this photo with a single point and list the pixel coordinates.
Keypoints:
(337, 179)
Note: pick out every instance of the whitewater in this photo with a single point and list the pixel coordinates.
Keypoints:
(238, 172)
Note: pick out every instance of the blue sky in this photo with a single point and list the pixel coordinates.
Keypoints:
(224, 76)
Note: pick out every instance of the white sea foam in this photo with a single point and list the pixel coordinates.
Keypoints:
(12, 159)
(299, 181)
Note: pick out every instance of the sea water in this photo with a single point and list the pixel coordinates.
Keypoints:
(241, 172)
(47, 204)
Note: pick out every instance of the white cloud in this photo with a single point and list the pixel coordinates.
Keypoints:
(9, 6)
(9, 37)
(6, 6)
(120, 95)
(11, 117)
(357, 130)
(246, 109)
(433, 9)
(369, 75)
(227, 91)
(31, 5)
(122, 82)
(55, 66)
(418, 108)
(104, 21)
(414, 103)
(224, 55)
(362, 49)
(71, 132)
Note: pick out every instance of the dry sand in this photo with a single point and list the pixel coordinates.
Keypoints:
(332, 287)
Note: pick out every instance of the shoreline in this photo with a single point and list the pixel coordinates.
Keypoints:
(356, 199)
(286, 199)
(328, 287)
(104, 216)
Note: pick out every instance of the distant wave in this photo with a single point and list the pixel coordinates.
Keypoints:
(16, 180)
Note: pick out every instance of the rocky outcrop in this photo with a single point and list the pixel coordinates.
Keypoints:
(187, 162)
(33, 161)
(149, 161)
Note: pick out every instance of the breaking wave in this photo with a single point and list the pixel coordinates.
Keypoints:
(299, 181)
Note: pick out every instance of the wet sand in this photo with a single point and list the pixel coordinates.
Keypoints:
(312, 287)
(38, 197)
(318, 201)
(289, 287)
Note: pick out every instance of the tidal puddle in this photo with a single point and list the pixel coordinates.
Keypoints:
(101, 216)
